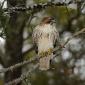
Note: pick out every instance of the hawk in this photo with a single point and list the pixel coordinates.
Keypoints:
(44, 36)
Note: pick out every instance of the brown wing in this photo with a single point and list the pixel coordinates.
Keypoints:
(36, 35)
(54, 35)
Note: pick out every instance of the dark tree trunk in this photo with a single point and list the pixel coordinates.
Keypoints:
(14, 40)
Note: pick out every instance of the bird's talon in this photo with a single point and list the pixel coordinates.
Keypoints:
(42, 54)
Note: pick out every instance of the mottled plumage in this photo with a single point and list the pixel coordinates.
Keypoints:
(44, 36)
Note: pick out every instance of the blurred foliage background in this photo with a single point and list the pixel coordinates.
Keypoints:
(16, 45)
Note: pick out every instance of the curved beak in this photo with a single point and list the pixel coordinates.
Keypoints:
(54, 21)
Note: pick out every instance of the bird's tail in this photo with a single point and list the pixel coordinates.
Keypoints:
(44, 62)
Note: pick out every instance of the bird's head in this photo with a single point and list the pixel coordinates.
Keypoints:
(48, 20)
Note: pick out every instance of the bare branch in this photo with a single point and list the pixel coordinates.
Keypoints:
(19, 64)
(22, 77)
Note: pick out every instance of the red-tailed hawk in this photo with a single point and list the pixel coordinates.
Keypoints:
(44, 36)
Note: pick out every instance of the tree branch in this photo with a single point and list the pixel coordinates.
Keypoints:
(38, 7)
(22, 77)
(37, 56)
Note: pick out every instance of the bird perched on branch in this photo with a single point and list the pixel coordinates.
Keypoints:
(44, 36)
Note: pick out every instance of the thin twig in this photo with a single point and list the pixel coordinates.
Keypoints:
(74, 35)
